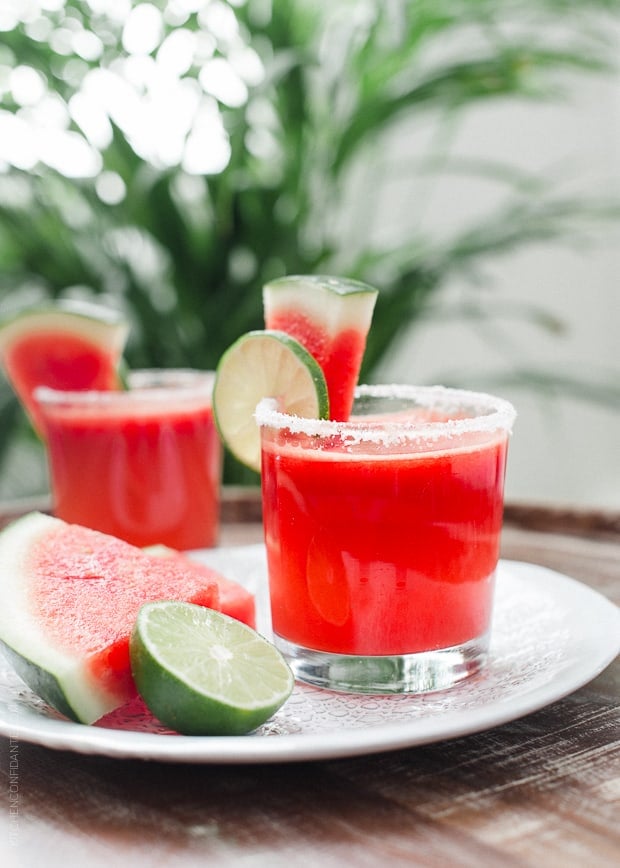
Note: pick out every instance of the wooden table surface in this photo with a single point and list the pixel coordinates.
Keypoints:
(540, 791)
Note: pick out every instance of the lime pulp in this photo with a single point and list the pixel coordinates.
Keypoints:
(264, 364)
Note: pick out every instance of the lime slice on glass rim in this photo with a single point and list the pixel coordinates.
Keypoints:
(264, 364)
(201, 672)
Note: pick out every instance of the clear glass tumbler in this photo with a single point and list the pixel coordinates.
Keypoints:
(382, 536)
(142, 464)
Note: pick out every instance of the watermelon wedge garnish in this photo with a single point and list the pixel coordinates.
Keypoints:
(68, 345)
(330, 317)
(69, 598)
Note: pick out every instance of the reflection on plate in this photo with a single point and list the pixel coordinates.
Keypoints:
(551, 635)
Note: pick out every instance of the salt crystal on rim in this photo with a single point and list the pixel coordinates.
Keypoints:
(493, 414)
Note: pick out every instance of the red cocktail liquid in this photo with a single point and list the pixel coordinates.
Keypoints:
(145, 471)
(382, 554)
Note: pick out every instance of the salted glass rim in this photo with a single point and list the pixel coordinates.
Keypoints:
(492, 414)
(152, 384)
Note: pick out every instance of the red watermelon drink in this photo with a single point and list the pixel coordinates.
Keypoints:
(382, 536)
(143, 465)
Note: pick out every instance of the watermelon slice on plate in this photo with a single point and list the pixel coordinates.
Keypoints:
(235, 600)
(69, 601)
(330, 317)
(70, 345)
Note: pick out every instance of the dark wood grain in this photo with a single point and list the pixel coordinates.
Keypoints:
(540, 791)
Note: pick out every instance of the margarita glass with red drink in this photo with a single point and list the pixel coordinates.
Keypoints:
(142, 464)
(382, 536)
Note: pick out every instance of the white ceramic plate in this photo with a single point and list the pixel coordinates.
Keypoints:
(551, 635)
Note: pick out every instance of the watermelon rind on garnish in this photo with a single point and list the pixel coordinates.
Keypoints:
(331, 317)
(67, 344)
(69, 598)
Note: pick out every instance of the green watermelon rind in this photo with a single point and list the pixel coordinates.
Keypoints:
(104, 326)
(333, 302)
(337, 285)
(40, 681)
(54, 675)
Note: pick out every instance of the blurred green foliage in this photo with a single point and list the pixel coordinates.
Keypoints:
(251, 133)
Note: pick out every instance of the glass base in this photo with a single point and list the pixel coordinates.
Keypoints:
(401, 673)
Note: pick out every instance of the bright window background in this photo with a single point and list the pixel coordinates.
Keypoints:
(564, 450)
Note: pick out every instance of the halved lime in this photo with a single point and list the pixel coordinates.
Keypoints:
(201, 672)
(264, 364)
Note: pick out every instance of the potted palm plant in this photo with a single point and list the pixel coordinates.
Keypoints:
(173, 158)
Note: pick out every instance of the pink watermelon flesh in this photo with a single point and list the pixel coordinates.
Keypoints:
(65, 361)
(85, 590)
(339, 355)
(235, 600)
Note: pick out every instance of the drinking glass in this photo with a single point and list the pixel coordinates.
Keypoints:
(142, 464)
(382, 536)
